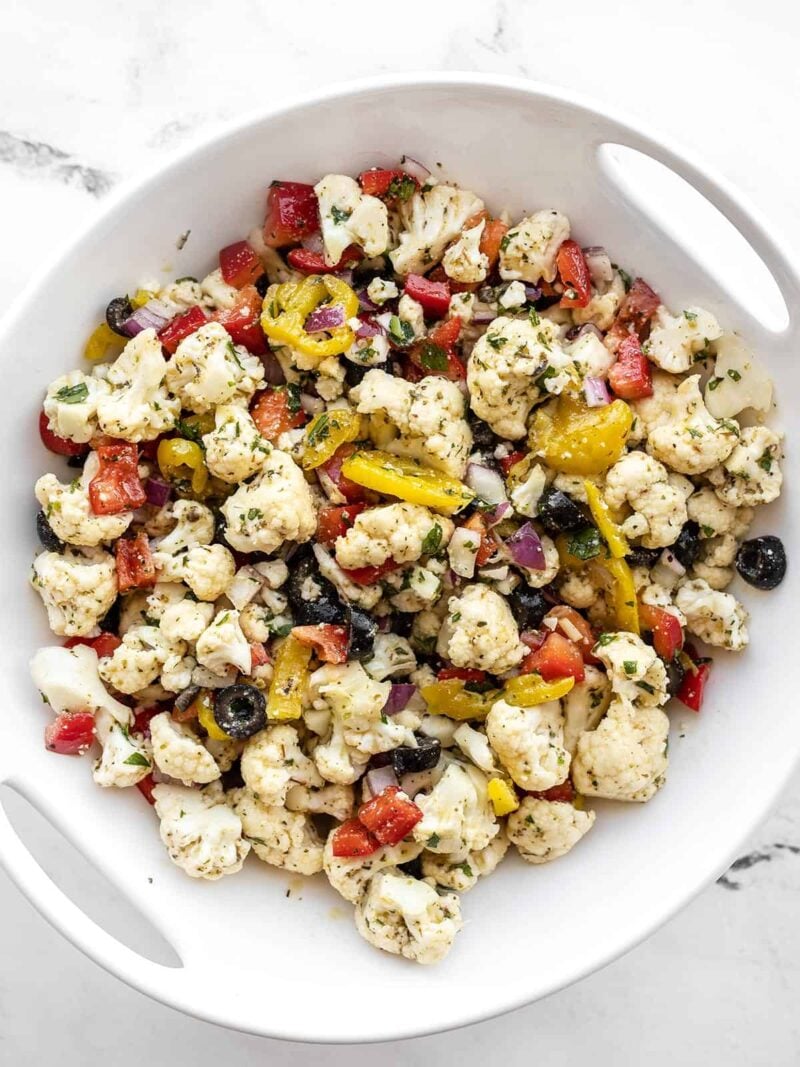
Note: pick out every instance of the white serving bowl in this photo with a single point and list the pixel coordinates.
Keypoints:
(296, 968)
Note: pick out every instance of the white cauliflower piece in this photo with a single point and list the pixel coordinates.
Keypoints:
(463, 261)
(659, 509)
(350, 876)
(137, 406)
(407, 917)
(428, 415)
(693, 441)
(529, 742)
(461, 872)
(675, 339)
(409, 310)
(504, 368)
(206, 569)
(392, 657)
(462, 306)
(475, 746)
(402, 532)
(124, 761)
(272, 760)
(543, 830)
(578, 590)
(417, 587)
(281, 838)
(634, 670)
(275, 507)
(625, 758)
(348, 216)
(715, 617)
(77, 586)
(479, 631)
(202, 834)
(552, 562)
(71, 405)
(216, 291)
(207, 369)
(70, 513)
(244, 587)
(457, 814)
(335, 800)
(181, 617)
(529, 249)
(69, 681)
(139, 660)
(188, 523)
(178, 752)
(604, 304)
(431, 219)
(738, 382)
(380, 290)
(751, 474)
(234, 449)
(363, 596)
(714, 516)
(585, 705)
(514, 296)
(223, 645)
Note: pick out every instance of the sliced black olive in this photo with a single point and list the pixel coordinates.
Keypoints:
(761, 561)
(642, 557)
(529, 607)
(326, 605)
(558, 512)
(77, 462)
(403, 623)
(44, 532)
(354, 373)
(363, 629)
(406, 760)
(413, 868)
(187, 697)
(484, 439)
(675, 675)
(687, 548)
(109, 624)
(117, 312)
(240, 710)
(262, 284)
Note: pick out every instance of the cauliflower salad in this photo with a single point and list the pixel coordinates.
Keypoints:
(380, 550)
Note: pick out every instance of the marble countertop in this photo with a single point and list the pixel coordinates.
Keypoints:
(94, 91)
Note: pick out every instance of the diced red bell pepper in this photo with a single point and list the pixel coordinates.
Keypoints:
(464, 674)
(390, 185)
(117, 486)
(666, 629)
(693, 686)
(135, 566)
(390, 815)
(308, 262)
(258, 655)
(509, 461)
(574, 274)
(488, 545)
(275, 411)
(635, 313)
(240, 265)
(533, 638)
(146, 787)
(70, 735)
(630, 376)
(352, 839)
(351, 491)
(434, 296)
(62, 446)
(104, 645)
(564, 793)
(292, 213)
(334, 522)
(142, 717)
(181, 327)
(328, 639)
(557, 658)
(492, 237)
(435, 354)
(370, 575)
(243, 321)
(571, 622)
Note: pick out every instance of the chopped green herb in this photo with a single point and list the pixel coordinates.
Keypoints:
(401, 333)
(433, 841)
(533, 315)
(433, 540)
(340, 215)
(630, 666)
(586, 544)
(734, 375)
(431, 356)
(320, 429)
(713, 384)
(73, 394)
(137, 759)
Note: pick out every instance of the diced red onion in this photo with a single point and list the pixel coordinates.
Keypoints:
(329, 487)
(383, 320)
(533, 293)
(369, 329)
(325, 318)
(415, 169)
(500, 512)
(482, 317)
(532, 638)
(380, 778)
(487, 483)
(157, 492)
(364, 302)
(346, 276)
(672, 563)
(599, 263)
(574, 332)
(312, 405)
(313, 243)
(525, 548)
(384, 624)
(596, 392)
(150, 316)
(399, 697)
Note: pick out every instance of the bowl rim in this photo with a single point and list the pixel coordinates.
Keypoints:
(56, 907)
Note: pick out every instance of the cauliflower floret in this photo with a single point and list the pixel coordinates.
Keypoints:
(123, 762)
(71, 405)
(139, 660)
(138, 406)
(693, 441)
(634, 670)
(402, 532)
(528, 251)
(625, 758)
(656, 410)
(475, 746)
(715, 517)
(417, 587)
(716, 618)
(411, 311)
(223, 645)
(463, 261)
(188, 522)
(275, 507)
(717, 577)
(392, 657)
(479, 631)
(408, 918)
(335, 800)
(181, 617)
(529, 742)
(603, 307)
(431, 219)
(380, 290)
(543, 830)
(457, 815)
(461, 872)
(675, 340)
(751, 474)
(178, 752)
(738, 382)
(552, 562)
(578, 590)
(69, 681)
(77, 586)
(272, 759)
(202, 834)
(282, 838)
(429, 416)
(207, 369)
(504, 370)
(244, 587)
(350, 876)
(590, 355)
(234, 449)
(69, 511)
(659, 509)
(462, 306)
(206, 569)
(514, 296)
(217, 292)
(363, 596)
(348, 216)
(585, 705)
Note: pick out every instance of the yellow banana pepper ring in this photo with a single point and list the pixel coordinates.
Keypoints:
(503, 796)
(612, 535)
(626, 610)
(407, 480)
(573, 438)
(528, 689)
(286, 308)
(326, 432)
(205, 716)
(451, 698)
(285, 699)
(180, 461)
(102, 341)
